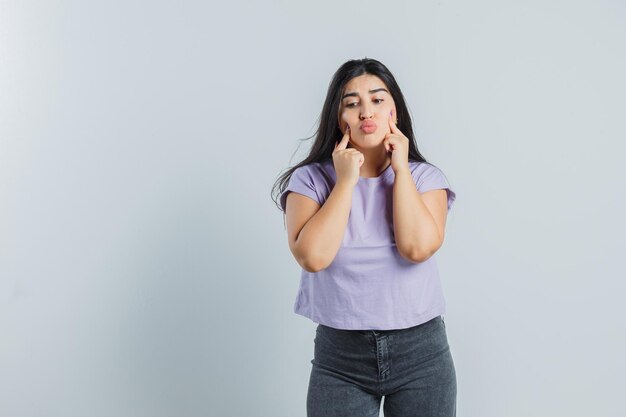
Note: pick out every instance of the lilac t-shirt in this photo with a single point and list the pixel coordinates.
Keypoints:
(369, 285)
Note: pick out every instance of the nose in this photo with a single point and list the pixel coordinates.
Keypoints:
(365, 112)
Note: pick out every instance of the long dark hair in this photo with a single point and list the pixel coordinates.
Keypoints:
(328, 131)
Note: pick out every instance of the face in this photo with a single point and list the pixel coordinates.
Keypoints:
(366, 98)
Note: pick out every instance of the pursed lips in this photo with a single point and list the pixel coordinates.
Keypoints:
(368, 126)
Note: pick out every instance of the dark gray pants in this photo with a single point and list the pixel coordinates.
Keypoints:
(353, 369)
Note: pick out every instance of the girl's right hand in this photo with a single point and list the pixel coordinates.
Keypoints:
(347, 161)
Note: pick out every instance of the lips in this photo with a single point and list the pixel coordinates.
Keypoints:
(368, 126)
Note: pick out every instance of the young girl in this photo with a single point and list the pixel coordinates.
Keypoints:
(365, 214)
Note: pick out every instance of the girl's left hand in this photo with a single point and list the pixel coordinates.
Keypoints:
(398, 144)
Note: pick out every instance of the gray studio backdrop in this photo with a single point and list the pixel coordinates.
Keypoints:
(144, 269)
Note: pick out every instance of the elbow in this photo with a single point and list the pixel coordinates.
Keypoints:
(312, 263)
(307, 258)
(417, 254)
(310, 268)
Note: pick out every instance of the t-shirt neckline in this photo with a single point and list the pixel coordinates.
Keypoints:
(386, 172)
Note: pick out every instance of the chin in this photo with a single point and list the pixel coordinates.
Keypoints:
(374, 136)
(369, 142)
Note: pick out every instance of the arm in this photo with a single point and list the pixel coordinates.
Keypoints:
(418, 219)
(316, 233)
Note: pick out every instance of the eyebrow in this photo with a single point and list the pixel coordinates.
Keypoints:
(355, 94)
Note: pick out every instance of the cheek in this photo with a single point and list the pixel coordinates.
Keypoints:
(345, 119)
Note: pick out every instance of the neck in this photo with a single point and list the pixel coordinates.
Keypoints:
(376, 160)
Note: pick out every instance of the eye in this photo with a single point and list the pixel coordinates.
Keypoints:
(354, 103)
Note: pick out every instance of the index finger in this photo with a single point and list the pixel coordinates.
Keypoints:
(392, 125)
(344, 140)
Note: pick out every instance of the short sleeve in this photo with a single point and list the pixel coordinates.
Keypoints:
(428, 177)
(301, 182)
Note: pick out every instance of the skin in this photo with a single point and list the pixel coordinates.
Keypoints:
(315, 232)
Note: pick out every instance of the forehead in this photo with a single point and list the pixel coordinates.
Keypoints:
(364, 83)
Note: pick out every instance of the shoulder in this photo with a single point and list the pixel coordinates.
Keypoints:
(428, 177)
(425, 170)
(310, 180)
(420, 168)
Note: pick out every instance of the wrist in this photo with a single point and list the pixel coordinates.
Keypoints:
(403, 172)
